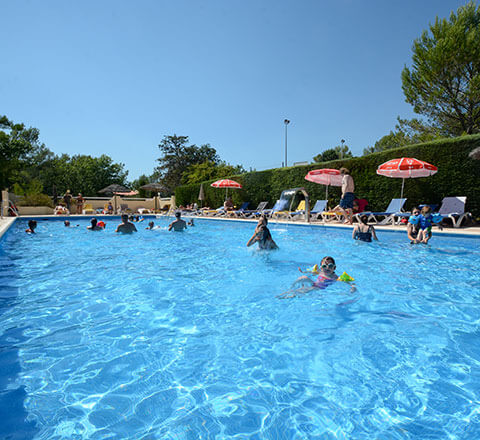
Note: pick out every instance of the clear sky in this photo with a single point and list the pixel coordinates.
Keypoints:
(116, 76)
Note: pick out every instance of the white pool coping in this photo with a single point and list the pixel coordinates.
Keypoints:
(5, 223)
(471, 231)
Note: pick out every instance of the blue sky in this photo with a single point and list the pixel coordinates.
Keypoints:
(114, 77)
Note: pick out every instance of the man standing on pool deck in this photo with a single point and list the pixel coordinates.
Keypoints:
(126, 227)
(346, 202)
(178, 224)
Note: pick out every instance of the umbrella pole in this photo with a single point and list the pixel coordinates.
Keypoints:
(326, 194)
(403, 183)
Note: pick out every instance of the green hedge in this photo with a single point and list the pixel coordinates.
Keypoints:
(457, 175)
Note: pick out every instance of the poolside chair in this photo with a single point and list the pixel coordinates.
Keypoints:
(288, 214)
(318, 208)
(125, 209)
(255, 212)
(390, 215)
(88, 209)
(280, 205)
(240, 211)
(453, 208)
(282, 211)
(213, 212)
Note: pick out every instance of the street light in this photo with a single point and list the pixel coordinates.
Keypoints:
(286, 122)
(341, 151)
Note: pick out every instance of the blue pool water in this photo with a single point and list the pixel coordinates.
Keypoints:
(181, 336)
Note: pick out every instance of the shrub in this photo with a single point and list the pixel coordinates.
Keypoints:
(457, 175)
(36, 200)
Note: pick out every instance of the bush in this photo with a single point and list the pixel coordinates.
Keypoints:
(36, 200)
(457, 175)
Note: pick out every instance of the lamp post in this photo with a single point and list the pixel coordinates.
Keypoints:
(341, 151)
(286, 122)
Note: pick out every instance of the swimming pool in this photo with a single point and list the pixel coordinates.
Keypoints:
(181, 335)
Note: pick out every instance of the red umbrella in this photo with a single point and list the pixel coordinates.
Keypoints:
(226, 183)
(406, 168)
(325, 176)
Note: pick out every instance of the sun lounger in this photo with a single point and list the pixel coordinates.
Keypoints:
(88, 209)
(453, 208)
(239, 211)
(287, 214)
(280, 205)
(390, 215)
(317, 210)
(255, 212)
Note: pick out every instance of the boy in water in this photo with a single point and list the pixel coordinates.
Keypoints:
(32, 224)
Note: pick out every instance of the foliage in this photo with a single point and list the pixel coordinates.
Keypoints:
(406, 132)
(36, 200)
(177, 156)
(335, 153)
(17, 144)
(24, 162)
(209, 170)
(444, 81)
(458, 175)
(137, 183)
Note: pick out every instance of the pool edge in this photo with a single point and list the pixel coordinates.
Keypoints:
(5, 224)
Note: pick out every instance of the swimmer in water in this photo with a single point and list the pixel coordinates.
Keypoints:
(326, 276)
(263, 237)
(93, 225)
(32, 224)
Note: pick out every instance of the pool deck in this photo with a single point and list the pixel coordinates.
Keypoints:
(472, 231)
(5, 223)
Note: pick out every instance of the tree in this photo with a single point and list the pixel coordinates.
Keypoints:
(209, 170)
(406, 132)
(142, 180)
(443, 83)
(338, 152)
(17, 145)
(177, 156)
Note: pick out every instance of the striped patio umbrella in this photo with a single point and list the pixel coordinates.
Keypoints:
(226, 183)
(406, 168)
(325, 176)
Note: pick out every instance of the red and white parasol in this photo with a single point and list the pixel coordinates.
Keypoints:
(325, 176)
(226, 183)
(406, 168)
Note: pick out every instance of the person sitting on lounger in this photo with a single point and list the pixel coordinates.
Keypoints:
(179, 224)
(228, 204)
(263, 237)
(126, 227)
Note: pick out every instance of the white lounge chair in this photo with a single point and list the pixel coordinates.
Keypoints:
(453, 208)
(394, 208)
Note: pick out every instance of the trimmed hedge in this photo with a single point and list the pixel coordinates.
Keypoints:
(457, 175)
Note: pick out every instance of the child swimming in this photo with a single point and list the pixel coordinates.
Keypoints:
(326, 276)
